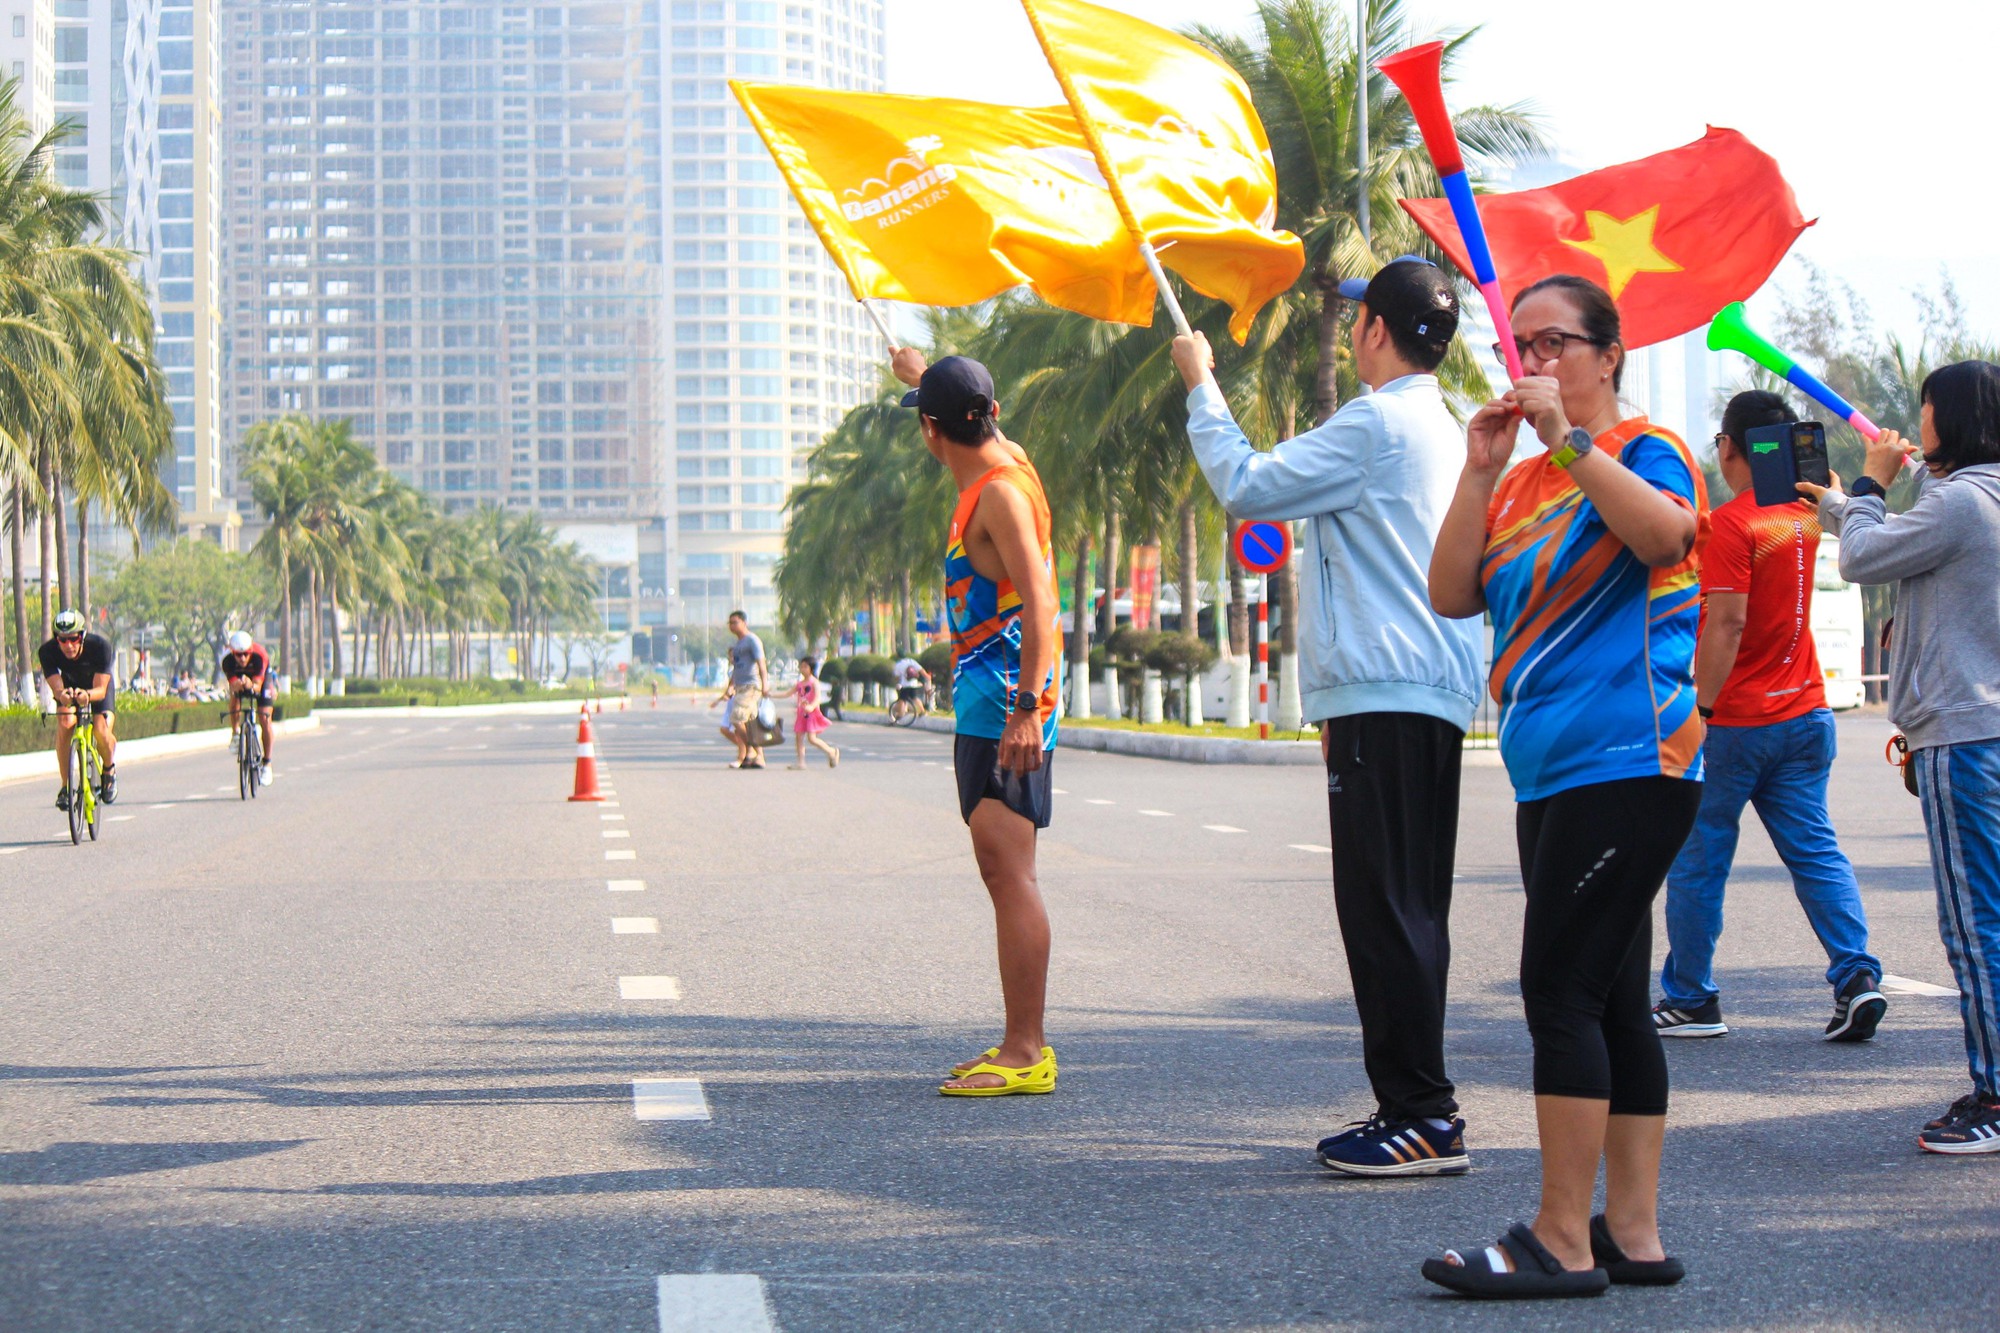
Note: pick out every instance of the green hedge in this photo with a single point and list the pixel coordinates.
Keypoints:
(435, 692)
(25, 730)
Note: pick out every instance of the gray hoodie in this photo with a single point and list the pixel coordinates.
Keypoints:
(1944, 557)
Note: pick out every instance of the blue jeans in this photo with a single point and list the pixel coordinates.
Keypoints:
(1781, 769)
(1960, 786)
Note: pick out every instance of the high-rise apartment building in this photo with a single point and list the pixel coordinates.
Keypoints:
(136, 80)
(768, 347)
(538, 258)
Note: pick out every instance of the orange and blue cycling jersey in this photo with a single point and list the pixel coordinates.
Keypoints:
(1593, 652)
(985, 617)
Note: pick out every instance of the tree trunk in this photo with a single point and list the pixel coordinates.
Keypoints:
(1191, 711)
(1238, 714)
(1079, 637)
(83, 558)
(1326, 381)
(333, 630)
(65, 587)
(1107, 616)
(48, 573)
(907, 609)
(17, 517)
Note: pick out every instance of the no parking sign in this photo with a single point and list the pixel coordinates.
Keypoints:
(1262, 546)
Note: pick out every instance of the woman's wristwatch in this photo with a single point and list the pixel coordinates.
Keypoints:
(1866, 485)
(1574, 447)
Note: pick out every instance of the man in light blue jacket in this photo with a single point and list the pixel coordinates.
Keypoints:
(1392, 685)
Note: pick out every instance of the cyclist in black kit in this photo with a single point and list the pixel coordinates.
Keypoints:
(77, 667)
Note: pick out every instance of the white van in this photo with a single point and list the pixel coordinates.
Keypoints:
(1838, 629)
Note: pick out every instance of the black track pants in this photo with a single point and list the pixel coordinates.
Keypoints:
(1593, 859)
(1392, 798)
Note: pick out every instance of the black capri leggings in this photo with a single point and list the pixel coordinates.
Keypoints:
(1593, 859)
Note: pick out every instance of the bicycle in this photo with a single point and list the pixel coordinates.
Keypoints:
(84, 774)
(905, 712)
(248, 745)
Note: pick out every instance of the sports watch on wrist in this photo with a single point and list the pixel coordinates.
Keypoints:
(1866, 485)
(1027, 701)
(1574, 447)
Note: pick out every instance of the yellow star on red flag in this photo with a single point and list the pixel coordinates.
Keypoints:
(1625, 247)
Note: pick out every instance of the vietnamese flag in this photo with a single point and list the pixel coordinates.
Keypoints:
(1673, 237)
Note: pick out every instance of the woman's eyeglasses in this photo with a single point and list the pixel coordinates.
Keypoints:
(1546, 346)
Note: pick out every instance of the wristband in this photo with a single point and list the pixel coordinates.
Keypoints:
(1706, 713)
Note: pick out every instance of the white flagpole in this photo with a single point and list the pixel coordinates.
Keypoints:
(881, 324)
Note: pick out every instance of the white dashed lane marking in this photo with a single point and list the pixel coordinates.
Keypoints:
(669, 1099)
(1894, 985)
(160, 807)
(1310, 847)
(648, 988)
(1092, 800)
(714, 1303)
(119, 819)
(612, 819)
(626, 885)
(1222, 828)
(1158, 814)
(635, 925)
(614, 833)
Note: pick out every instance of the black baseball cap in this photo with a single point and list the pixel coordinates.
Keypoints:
(957, 388)
(1413, 294)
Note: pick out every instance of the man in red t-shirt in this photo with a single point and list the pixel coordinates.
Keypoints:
(1770, 744)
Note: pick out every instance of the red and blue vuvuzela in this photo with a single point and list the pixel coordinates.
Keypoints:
(1419, 73)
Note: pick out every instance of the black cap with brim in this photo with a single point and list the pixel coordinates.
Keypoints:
(1412, 294)
(957, 388)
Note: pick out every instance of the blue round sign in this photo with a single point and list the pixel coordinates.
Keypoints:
(1262, 546)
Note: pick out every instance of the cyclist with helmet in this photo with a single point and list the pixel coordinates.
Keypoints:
(77, 667)
(247, 667)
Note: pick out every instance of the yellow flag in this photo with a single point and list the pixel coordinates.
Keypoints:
(946, 203)
(1177, 129)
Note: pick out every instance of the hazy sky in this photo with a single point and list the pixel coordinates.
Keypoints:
(1878, 114)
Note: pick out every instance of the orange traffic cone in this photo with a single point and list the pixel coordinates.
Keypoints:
(586, 761)
(599, 703)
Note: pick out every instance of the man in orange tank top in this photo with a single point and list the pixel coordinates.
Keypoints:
(1000, 587)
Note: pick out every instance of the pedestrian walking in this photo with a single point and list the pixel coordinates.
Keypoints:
(1393, 703)
(1944, 688)
(1585, 556)
(745, 690)
(1770, 743)
(807, 720)
(1000, 592)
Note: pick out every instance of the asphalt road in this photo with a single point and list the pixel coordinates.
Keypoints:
(354, 1056)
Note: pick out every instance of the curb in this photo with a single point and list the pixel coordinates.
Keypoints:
(1187, 749)
(42, 763)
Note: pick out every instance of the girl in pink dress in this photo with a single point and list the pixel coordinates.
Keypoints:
(809, 722)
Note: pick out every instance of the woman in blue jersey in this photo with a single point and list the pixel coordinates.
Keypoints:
(1584, 554)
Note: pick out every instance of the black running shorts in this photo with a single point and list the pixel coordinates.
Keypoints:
(977, 762)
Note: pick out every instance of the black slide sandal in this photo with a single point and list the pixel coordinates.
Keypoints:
(1630, 1272)
(1536, 1274)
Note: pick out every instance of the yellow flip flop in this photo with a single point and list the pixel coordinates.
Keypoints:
(1039, 1077)
(1048, 1053)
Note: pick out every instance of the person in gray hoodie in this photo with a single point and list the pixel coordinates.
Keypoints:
(1943, 555)
(1392, 684)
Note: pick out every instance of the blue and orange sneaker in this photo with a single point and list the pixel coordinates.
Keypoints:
(1378, 1147)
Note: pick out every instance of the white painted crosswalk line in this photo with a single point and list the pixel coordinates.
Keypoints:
(1310, 847)
(1894, 985)
(621, 854)
(635, 925)
(626, 885)
(1222, 828)
(648, 988)
(668, 1099)
(714, 1303)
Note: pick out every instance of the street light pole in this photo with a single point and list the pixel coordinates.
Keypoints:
(1361, 110)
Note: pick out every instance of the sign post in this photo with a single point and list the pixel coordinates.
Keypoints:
(1263, 547)
(1264, 658)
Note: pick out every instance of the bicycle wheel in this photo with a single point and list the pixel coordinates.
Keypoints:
(255, 763)
(92, 814)
(246, 776)
(76, 797)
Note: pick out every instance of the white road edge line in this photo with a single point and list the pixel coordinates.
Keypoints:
(649, 988)
(668, 1099)
(625, 885)
(714, 1303)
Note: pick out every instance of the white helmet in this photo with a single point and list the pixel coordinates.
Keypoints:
(240, 642)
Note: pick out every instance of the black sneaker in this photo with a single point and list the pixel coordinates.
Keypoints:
(107, 790)
(1701, 1020)
(1974, 1130)
(1958, 1109)
(1857, 1009)
(62, 799)
(1378, 1147)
